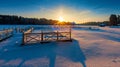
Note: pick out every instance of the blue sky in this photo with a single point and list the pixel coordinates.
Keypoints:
(71, 10)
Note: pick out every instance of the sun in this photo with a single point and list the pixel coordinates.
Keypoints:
(61, 19)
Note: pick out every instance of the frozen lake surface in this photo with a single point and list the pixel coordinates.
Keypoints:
(90, 48)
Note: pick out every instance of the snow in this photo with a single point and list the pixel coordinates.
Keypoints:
(98, 47)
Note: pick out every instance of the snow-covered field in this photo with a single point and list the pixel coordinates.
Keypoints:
(90, 48)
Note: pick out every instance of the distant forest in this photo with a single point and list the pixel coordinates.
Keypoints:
(107, 23)
(114, 20)
(19, 20)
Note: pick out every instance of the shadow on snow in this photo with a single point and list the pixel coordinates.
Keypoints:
(69, 50)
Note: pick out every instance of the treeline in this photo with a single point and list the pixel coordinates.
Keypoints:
(19, 20)
(114, 20)
(96, 23)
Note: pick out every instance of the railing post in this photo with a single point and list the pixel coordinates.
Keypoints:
(70, 33)
(7, 33)
(12, 31)
(32, 29)
(57, 35)
(23, 41)
(42, 36)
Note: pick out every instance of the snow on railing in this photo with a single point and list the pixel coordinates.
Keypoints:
(28, 31)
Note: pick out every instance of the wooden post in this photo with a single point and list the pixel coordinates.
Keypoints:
(57, 35)
(15, 29)
(6, 33)
(70, 32)
(42, 36)
(12, 31)
(23, 41)
(31, 29)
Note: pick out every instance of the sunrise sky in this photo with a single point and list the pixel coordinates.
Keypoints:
(78, 11)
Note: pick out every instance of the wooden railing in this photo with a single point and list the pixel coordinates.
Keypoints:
(22, 30)
(5, 34)
(43, 37)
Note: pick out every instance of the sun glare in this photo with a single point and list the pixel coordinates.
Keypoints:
(61, 19)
